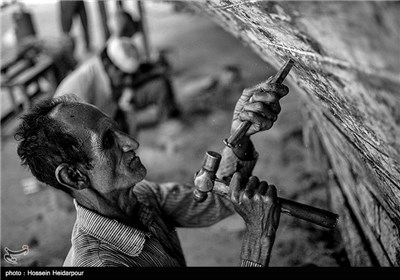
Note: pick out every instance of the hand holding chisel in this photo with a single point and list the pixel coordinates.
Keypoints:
(273, 85)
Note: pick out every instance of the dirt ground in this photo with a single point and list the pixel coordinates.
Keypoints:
(198, 50)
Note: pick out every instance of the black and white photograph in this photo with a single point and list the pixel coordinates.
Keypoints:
(209, 133)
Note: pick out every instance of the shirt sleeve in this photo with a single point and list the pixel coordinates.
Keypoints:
(247, 263)
(79, 83)
(176, 200)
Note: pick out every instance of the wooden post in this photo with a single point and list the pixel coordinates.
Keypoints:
(143, 25)
(120, 4)
(103, 15)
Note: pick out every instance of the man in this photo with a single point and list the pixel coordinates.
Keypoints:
(119, 70)
(125, 220)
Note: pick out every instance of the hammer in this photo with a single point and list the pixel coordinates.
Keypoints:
(237, 135)
(206, 181)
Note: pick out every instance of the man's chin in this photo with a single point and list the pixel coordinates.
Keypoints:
(137, 167)
(140, 173)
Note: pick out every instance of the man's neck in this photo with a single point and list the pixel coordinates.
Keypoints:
(120, 205)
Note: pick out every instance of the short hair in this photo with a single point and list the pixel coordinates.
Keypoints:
(124, 25)
(44, 142)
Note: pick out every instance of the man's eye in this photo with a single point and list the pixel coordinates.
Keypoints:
(108, 141)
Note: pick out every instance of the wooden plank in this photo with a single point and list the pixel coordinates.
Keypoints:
(352, 235)
(381, 231)
(32, 73)
(358, 253)
(11, 114)
(14, 71)
(10, 61)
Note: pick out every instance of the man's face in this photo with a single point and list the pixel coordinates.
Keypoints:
(115, 164)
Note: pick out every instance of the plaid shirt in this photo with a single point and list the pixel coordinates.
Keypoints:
(100, 241)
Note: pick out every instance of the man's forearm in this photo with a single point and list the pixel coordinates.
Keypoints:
(256, 250)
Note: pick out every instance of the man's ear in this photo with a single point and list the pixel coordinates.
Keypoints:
(71, 177)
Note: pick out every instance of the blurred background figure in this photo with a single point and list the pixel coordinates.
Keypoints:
(69, 10)
(143, 87)
(117, 81)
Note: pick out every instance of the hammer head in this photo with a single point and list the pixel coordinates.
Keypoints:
(204, 178)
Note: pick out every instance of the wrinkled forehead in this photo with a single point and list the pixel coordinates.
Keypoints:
(79, 116)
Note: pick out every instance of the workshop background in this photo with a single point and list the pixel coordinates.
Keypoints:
(200, 53)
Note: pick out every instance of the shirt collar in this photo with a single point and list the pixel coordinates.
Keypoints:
(120, 236)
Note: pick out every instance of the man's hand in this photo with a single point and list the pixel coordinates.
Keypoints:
(258, 205)
(259, 105)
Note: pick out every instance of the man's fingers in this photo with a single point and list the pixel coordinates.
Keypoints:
(275, 107)
(261, 109)
(251, 186)
(280, 89)
(265, 97)
(259, 123)
(235, 186)
(265, 90)
(262, 188)
(271, 193)
(247, 94)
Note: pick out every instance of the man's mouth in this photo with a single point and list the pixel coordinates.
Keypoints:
(135, 159)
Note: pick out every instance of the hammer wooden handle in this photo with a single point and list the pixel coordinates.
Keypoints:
(314, 215)
(309, 213)
(238, 134)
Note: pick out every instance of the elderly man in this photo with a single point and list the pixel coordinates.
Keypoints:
(125, 220)
(120, 83)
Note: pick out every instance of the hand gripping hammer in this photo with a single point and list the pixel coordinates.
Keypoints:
(206, 181)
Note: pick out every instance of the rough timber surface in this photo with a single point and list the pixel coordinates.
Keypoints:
(347, 66)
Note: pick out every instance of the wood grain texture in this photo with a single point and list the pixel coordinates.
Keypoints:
(382, 233)
(352, 235)
(347, 57)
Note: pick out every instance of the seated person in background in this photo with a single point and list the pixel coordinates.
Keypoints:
(118, 71)
(125, 220)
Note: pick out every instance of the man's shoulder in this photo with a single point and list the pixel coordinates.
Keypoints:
(148, 192)
(84, 250)
(89, 67)
(89, 251)
(80, 80)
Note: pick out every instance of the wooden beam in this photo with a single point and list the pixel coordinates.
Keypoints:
(352, 234)
(145, 31)
(103, 16)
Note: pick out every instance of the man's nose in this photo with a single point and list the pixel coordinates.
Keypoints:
(127, 143)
